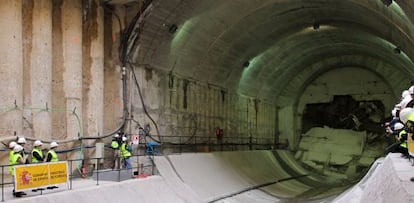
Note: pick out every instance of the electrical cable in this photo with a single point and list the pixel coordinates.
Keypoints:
(123, 49)
(124, 40)
(143, 104)
(125, 59)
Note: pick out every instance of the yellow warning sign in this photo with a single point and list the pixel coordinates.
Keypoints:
(410, 143)
(31, 176)
(58, 173)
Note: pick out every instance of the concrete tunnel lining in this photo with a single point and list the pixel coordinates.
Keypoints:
(284, 59)
(192, 52)
(191, 78)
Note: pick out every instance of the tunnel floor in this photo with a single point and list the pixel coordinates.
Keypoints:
(242, 176)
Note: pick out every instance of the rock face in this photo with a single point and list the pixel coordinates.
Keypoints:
(339, 152)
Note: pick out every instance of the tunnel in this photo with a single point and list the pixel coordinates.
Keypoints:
(286, 96)
(328, 72)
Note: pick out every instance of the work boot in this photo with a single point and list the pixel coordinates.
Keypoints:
(17, 194)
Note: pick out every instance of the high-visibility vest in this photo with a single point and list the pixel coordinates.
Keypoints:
(15, 158)
(124, 151)
(11, 154)
(54, 155)
(40, 152)
(400, 135)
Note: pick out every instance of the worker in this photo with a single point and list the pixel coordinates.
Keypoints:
(406, 98)
(126, 153)
(51, 154)
(411, 99)
(405, 94)
(12, 144)
(115, 145)
(410, 129)
(401, 138)
(392, 137)
(22, 142)
(37, 153)
(17, 159)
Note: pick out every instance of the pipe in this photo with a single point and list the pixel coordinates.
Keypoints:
(143, 104)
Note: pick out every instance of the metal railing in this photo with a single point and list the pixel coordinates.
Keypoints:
(143, 162)
(93, 168)
(179, 144)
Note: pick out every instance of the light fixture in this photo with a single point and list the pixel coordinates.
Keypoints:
(397, 50)
(316, 26)
(387, 2)
(172, 29)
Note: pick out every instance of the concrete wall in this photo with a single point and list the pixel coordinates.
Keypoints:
(93, 70)
(53, 72)
(364, 86)
(37, 66)
(183, 107)
(11, 77)
(63, 79)
(113, 104)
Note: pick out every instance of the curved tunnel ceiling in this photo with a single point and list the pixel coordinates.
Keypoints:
(215, 38)
(285, 53)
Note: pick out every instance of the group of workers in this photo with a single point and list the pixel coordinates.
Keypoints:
(122, 150)
(18, 155)
(402, 124)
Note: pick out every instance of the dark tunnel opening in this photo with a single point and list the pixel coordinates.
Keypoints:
(342, 138)
(344, 112)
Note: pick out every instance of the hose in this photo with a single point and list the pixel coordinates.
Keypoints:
(143, 104)
(124, 53)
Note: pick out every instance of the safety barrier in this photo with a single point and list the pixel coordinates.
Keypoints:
(141, 166)
(100, 168)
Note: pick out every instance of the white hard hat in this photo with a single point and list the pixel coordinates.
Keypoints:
(394, 112)
(405, 93)
(124, 139)
(405, 102)
(398, 106)
(411, 90)
(21, 140)
(17, 148)
(116, 135)
(37, 143)
(398, 126)
(404, 113)
(54, 144)
(12, 144)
